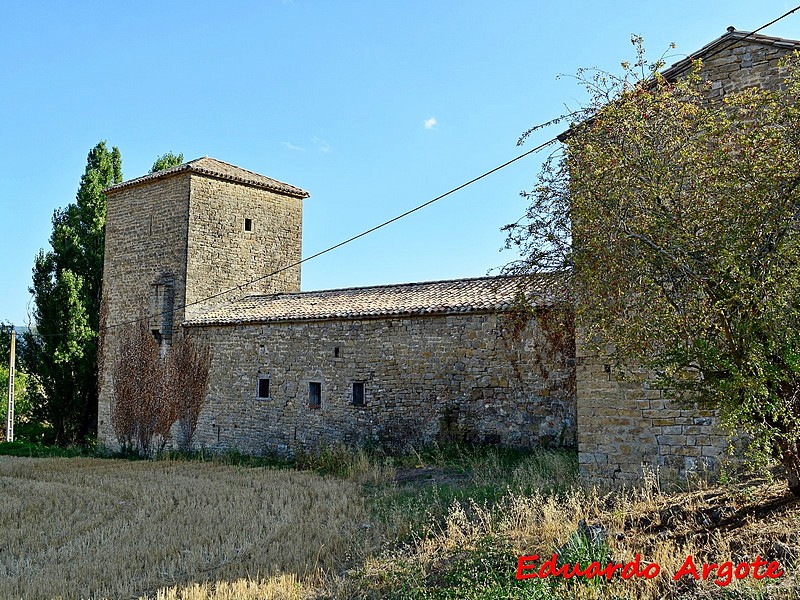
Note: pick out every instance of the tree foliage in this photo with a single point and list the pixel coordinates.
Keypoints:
(166, 161)
(5, 342)
(676, 223)
(67, 280)
(152, 392)
(140, 410)
(188, 367)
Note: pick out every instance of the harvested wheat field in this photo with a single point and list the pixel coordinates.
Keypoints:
(95, 528)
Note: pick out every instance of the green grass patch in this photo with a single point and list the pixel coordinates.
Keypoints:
(30, 450)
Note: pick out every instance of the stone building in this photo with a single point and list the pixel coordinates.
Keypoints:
(178, 238)
(388, 365)
(207, 247)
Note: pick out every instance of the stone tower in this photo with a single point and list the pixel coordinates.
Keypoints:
(183, 239)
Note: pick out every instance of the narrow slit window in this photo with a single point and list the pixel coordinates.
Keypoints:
(314, 394)
(358, 393)
(263, 386)
(161, 301)
(248, 224)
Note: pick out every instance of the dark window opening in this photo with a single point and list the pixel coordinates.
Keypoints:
(248, 224)
(315, 394)
(263, 387)
(358, 393)
(336, 352)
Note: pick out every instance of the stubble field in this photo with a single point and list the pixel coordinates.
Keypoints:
(80, 528)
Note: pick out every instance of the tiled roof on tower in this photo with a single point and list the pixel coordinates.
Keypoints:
(217, 169)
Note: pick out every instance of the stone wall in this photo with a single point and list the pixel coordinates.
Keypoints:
(465, 377)
(748, 63)
(625, 427)
(223, 255)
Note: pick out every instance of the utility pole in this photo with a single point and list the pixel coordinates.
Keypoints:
(11, 363)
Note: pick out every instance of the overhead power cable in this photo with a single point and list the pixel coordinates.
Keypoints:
(751, 34)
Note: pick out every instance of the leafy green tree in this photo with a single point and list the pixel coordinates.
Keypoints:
(5, 345)
(676, 223)
(166, 161)
(62, 355)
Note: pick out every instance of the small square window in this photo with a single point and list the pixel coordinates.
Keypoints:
(358, 393)
(263, 386)
(314, 394)
(248, 224)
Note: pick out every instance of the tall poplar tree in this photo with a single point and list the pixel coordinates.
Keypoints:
(67, 285)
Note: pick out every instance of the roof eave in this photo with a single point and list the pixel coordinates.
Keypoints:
(187, 167)
(682, 65)
(357, 317)
(736, 36)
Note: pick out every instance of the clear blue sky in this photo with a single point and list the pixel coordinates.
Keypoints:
(333, 97)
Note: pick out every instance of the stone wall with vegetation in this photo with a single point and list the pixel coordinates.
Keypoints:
(146, 237)
(625, 426)
(462, 377)
(748, 63)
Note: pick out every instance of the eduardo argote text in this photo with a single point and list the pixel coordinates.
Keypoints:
(529, 567)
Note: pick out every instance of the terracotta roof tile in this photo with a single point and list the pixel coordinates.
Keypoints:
(219, 170)
(485, 294)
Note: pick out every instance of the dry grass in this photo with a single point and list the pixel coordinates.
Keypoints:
(278, 587)
(473, 552)
(88, 528)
